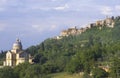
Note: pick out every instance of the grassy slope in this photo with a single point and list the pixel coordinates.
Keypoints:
(65, 75)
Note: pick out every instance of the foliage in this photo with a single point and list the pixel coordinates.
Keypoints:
(99, 73)
(7, 72)
(115, 67)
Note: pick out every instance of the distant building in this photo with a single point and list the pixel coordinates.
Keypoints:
(17, 55)
(100, 23)
(92, 25)
(64, 33)
(72, 31)
(109, 22)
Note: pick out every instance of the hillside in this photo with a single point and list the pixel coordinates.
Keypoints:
(94, 52)
(75, 53)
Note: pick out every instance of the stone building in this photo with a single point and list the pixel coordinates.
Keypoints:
(109, 22)
(17, 55)
(70, 31)
(100, 23)
(91, 25)
(64, 33)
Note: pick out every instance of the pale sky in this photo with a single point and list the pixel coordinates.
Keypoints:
(36, 20)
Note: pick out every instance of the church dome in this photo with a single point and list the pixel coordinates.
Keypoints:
(17, 45)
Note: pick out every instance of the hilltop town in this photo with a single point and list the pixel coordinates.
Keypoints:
(108, 22)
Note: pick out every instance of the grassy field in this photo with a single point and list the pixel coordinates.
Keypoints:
(65, 75)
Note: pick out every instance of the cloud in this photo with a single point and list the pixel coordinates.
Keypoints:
(53, 27)
(42, 28)
(110, 10)
(106, 10)
(2, 2)
(62, 7)
(37, 28)
(53, 0)
(57, 0)
(39, 8)
(117, 7)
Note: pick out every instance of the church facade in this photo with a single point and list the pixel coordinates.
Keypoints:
(17, 55)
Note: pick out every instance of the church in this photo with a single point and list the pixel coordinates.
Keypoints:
(17, 55)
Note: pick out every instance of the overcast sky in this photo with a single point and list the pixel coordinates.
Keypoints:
(36, 20)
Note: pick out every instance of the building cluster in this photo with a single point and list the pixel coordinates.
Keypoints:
(108, 22)
(72, 31)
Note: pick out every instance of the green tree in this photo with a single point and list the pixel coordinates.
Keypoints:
(99, 73)
(34, 71)
(39, 58)
(115, 67)
(20, 69)
(7, 72)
